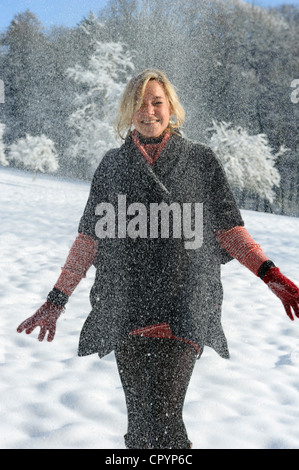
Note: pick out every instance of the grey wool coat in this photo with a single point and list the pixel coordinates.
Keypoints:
(144, 277)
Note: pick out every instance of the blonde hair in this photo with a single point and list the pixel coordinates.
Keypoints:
(133, 96)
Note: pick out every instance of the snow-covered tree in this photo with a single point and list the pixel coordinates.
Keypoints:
(101, 85)
(3, 160)
(35, 153)
(248, 160)
(25, 76)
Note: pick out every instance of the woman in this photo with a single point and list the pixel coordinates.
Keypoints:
(159, 222)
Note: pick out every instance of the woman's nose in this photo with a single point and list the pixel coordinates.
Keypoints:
(149, 109)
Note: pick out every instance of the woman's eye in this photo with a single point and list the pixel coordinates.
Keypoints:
(155, 103)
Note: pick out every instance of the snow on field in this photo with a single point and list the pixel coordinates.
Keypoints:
(50, 398)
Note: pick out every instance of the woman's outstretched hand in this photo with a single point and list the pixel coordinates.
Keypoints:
(285, 289)
(45, 317)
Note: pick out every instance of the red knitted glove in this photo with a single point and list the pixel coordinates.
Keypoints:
(45, 317)
(285, 289)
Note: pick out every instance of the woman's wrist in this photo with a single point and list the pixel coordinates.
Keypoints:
(265, 268)
(57, 297)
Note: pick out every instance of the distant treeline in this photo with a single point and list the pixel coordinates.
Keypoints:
(230, 61)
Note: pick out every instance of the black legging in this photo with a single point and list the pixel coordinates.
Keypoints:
(155, 375)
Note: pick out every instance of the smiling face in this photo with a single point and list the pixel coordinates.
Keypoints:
(152, 118)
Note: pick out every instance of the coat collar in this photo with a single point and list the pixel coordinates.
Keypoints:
(166, 162)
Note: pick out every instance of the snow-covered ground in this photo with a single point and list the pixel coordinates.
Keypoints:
(50, 398)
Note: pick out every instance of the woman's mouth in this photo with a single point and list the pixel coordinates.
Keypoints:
(152, 121)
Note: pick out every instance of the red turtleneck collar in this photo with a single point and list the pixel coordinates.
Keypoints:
(150, 148)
